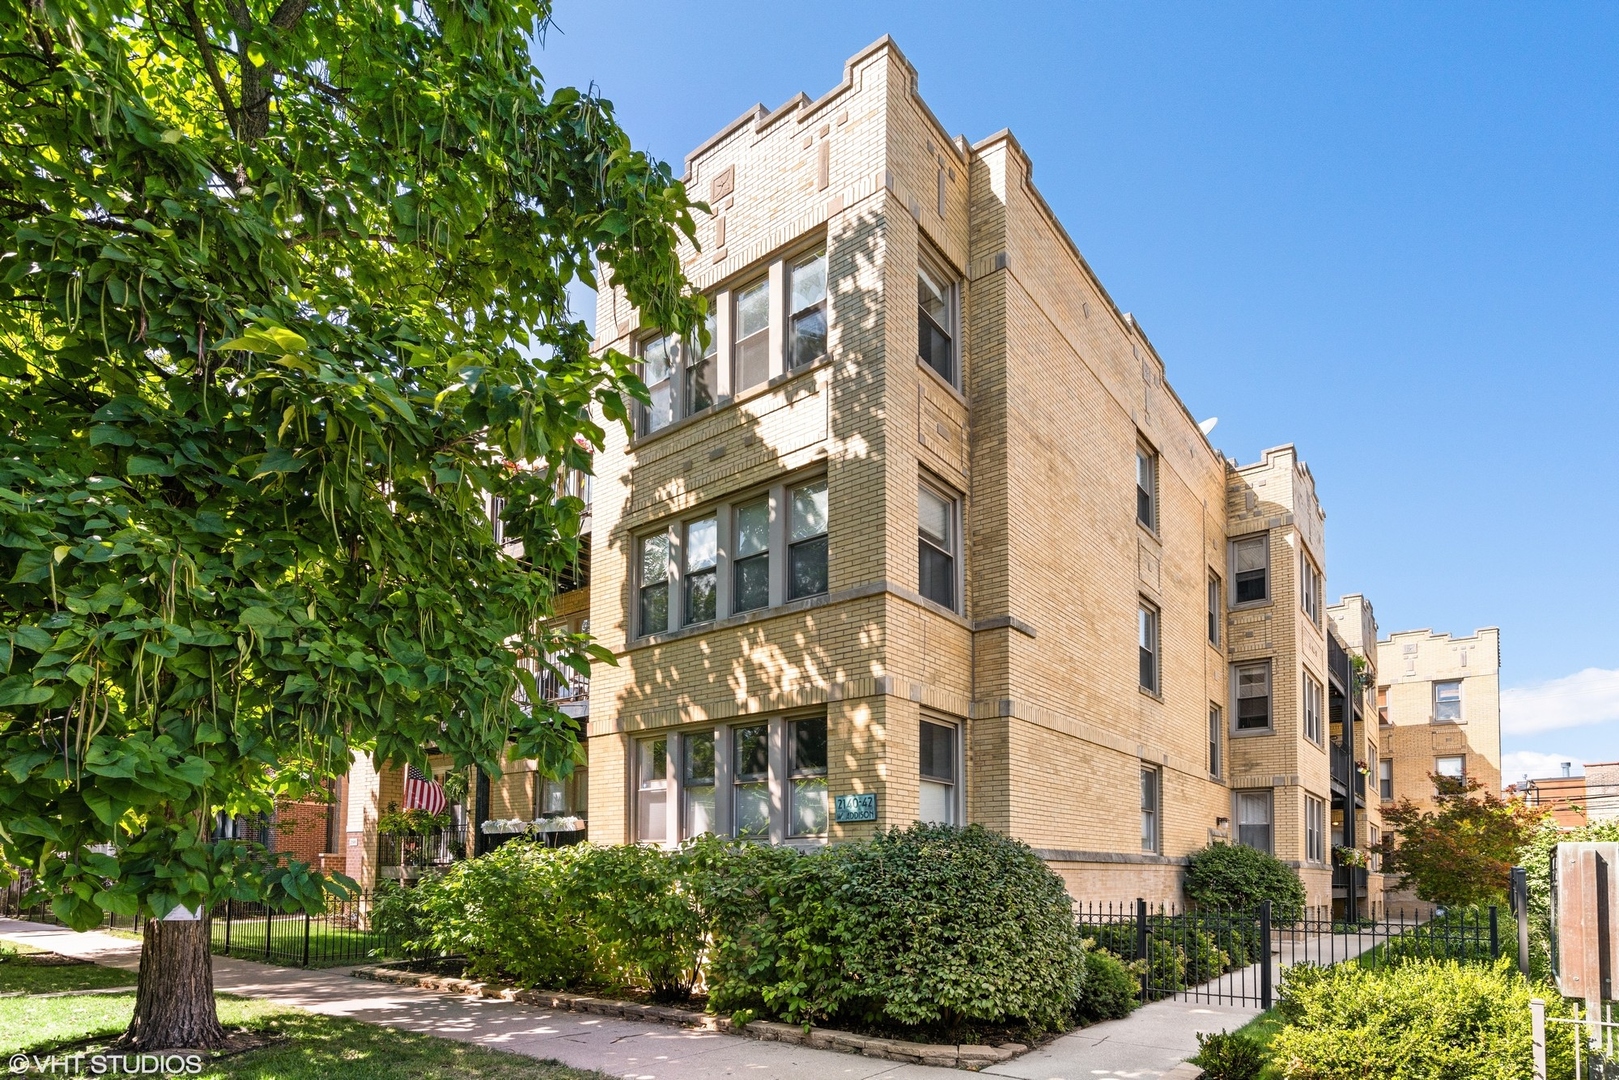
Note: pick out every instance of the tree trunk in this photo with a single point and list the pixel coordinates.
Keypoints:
(174, 996)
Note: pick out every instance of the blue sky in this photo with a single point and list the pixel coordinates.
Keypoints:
(1386, 233)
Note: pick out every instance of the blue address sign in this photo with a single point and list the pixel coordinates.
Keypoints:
(854, 808)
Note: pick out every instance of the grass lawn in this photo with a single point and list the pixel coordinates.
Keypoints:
(310, 1047)
(26, 972)
(1264, 1028)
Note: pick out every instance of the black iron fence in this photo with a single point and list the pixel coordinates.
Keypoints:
(341, 934)
(1236, 956)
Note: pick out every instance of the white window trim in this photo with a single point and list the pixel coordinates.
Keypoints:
(1231, 561)
(1461, 701)
(1270, 820)
(1156, 646)
(1270, 691)
(1318, 809)
(779, 783)
(1311, 588)
(937, 267)
(779, 495)
(1216, 740)
(958, 794)
(1216, 594)
(1313, 689)
(948, 494)
(1157, 774)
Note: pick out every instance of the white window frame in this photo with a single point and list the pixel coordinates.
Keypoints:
(1311, 588)
(778, 781)
(1435, 702)
(948, 285)
(1439, 766)
(1385, 776)
(1315, 829)
(778, 497)
(1236, 699)
(955, 803)
(952, 502)
(1269, 800)
(1152, 809)
(1149, 643)
(1147, 496)
(1314, 696)
(1263, 540)
(1216, 740)
(791, 361)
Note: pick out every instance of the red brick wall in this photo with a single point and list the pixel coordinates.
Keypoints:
(301, 830)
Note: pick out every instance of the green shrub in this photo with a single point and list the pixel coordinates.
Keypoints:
(1229, 1056)
(1112, 988)
(1425, 1020)
(642, 923)
(1239, 878)
(396, 913)
(1457, 935)
(943, 924)
(1298, 985)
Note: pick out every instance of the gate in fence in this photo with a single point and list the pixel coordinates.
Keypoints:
(1236, 956)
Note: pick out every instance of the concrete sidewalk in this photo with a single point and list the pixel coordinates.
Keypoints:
(1146, 1046)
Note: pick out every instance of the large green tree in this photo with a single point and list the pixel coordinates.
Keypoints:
(1462, 851)
(282, 308)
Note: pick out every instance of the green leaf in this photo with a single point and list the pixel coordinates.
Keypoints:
(278, 460)
(143, 465)
(110, 435)
(20, 690)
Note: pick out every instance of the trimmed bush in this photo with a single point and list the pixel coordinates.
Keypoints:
(1112, 988)
(1425, 1020)
(1239, 878)
(1229, 1056)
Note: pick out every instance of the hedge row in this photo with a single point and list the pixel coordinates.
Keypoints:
(931, 926)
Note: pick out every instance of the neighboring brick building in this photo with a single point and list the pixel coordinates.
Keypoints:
(1602, 791)
(923, 532)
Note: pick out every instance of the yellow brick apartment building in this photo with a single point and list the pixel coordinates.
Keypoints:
(921, 531)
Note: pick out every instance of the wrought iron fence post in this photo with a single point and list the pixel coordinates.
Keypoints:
(1495, 934)
(269, 924)
(306, 937)
(1264, 956)
(1520, 908)
(1141, 949)
(227, 925)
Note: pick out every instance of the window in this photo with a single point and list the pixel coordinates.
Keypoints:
(1216, 730)
(935, 323)
(651, 797)
(1452, 768)
(1147, 487)
(806, 770)
(1312, 708)
(806, 325)
(701, 554)
(1253, 819)
(1148, 634)
(1253, 696)
(750, 556)
(936, 546)
(751, 326)
(1151, 783)
(1214, 610)
(659, 358)
(1375, 836)
(1310, 589)
(701, 372)
(938, 791)
(806, 541)
(697, 786)
(1383, 705)
(1250, 566)
(654, 598)
(1315, 827)
(750, 770)
(747, 547)
(1385, 779)
(1447, 701)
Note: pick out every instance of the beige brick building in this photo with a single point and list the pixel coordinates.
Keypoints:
(922, 531)
(1439, 711)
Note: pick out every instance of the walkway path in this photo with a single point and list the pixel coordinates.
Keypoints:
(1146, 1046)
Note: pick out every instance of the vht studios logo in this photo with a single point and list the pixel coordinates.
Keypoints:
(108, 1064)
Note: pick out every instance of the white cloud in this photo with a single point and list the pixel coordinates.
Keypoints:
(1585, 697)
(1537, 766)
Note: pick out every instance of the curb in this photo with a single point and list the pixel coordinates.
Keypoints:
(965, 1056)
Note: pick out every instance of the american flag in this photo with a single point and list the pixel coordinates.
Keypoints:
(422, 792)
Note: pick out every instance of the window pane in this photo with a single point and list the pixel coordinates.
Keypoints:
(699, 386)
(938, 751)
(699, 818)
(808, 511)
(753, 309)
(701, 550)
(806, 568)
(752, 528)
(699, 763)
(1447, 701)
(701, 596)
(808, 337)
(1145, 487)
(1216, 729)
(809, 281)
(752, 757)
(751, 588)
(753, 811)
(1149, 648)
(753, 335)
(933, 517)
(1454, 767)
(655, 559)
(652, 769)
(806, 746)
(655, 608)
(937, 804)
(934, 324)
(1251, 554)
(937, 574)
(809, 807)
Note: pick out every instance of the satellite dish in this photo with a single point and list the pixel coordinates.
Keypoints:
(1208, 425)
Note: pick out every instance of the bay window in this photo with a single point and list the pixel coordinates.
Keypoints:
(1252, 683)
(1250, 569)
